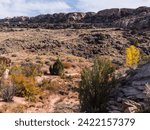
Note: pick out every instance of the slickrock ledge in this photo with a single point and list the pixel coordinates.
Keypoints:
(134, 93)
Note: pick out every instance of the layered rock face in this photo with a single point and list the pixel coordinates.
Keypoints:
(133, 95)
(125, 18)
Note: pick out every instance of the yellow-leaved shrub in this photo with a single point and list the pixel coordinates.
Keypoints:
(25, 86)
(132, 56)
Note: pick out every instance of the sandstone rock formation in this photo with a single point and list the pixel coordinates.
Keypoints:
(133, 95)
(125, 18)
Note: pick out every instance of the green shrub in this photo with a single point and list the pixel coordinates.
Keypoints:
(57, 68)
(96, 84)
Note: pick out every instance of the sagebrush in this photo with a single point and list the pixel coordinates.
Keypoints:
(96, 85)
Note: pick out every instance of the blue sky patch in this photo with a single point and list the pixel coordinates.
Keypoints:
(10, 8)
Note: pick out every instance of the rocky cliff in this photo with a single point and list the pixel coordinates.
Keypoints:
(125, 18)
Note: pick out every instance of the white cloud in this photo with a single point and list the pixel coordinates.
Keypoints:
(96, 5)
(10, 8)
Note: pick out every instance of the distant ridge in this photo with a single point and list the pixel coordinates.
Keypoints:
(122, 18)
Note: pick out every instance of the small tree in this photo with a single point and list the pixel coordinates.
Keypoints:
(57, 68)
(132, 56)
(95, 87)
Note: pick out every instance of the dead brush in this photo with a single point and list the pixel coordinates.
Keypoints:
(7, 91)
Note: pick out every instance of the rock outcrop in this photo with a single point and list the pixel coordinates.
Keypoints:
(125, 18)
(133, 95)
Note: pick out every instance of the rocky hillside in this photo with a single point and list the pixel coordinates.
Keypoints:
(85, 43)
(125, 18)
(30, 46)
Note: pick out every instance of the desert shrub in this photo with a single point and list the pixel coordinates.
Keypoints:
(133, 41)
(132, 56)
(47, 85)
(15, 70)
(96, 85)
(28, 69)
(7, 93)
(57, 68)
(144, 58)
(25, 86)
(31, 69)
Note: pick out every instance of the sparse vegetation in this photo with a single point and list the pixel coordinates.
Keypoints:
(25, 86)
(46, 84)
(28, 69)
(31, 69)
(16, 70)
(95, 87)
(32, 53)
(133, 41)
(23, 78)
(57, 68)
(7, 92)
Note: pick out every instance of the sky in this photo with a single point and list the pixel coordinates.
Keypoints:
(11, 8)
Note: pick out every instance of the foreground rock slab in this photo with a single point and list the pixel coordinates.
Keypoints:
(133, 95)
